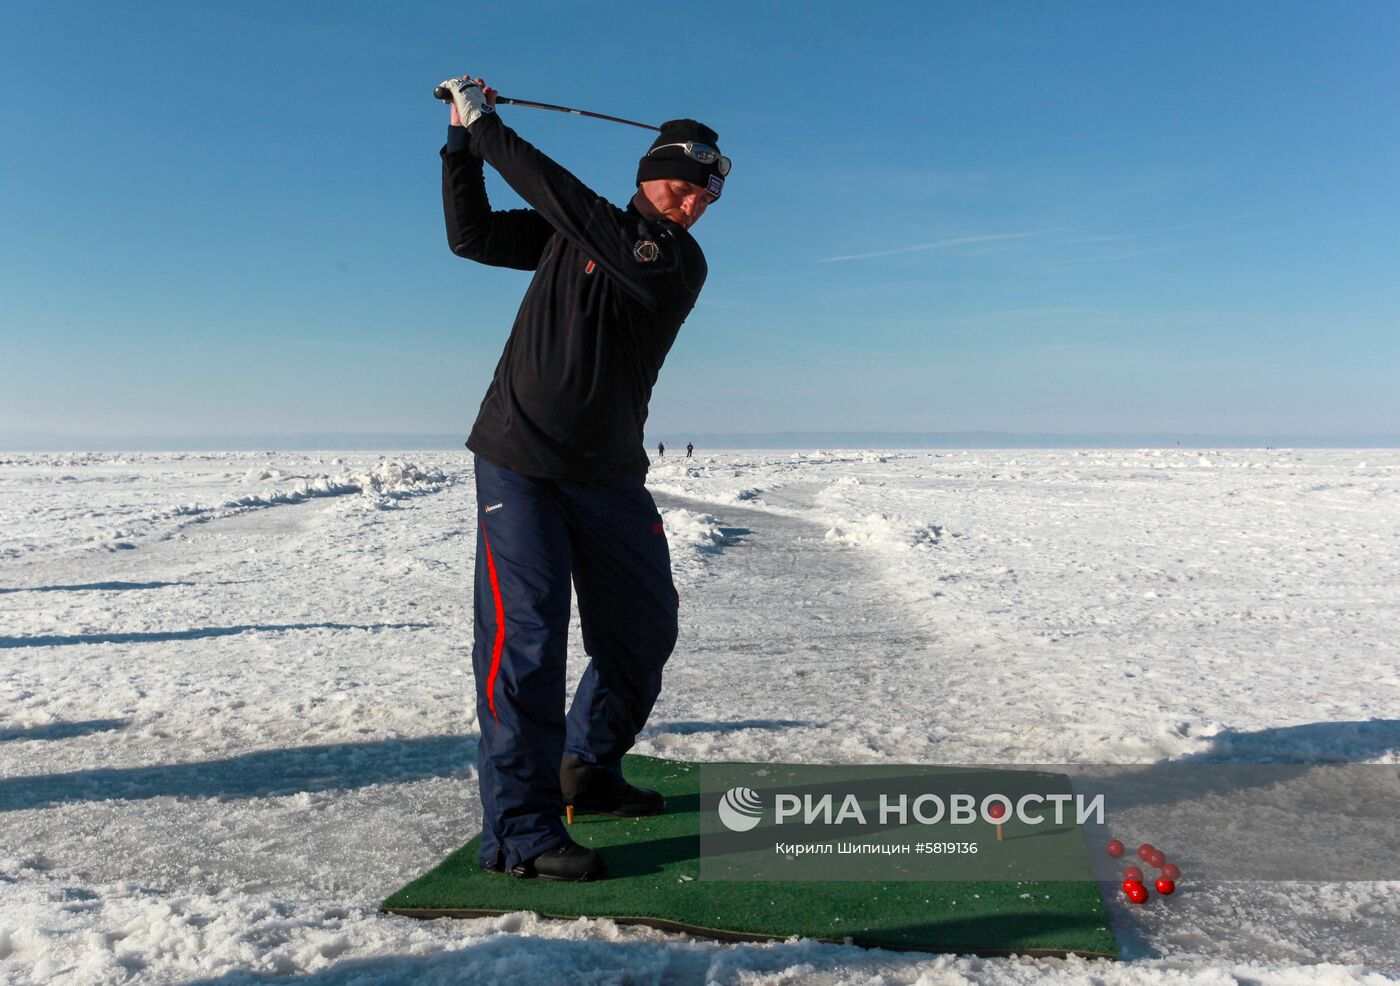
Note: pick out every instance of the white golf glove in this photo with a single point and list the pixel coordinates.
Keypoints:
(469, 99)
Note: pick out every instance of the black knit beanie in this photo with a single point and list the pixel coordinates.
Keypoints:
(672, 162)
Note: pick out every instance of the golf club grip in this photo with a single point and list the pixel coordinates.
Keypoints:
(442, 93)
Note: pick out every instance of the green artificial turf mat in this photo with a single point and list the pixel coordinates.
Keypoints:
(654, 879)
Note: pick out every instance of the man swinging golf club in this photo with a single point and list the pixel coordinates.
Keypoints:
(560, 472)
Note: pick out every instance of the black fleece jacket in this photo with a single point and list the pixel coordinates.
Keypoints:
(611, 288)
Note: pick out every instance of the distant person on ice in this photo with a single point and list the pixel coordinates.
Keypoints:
(660, 448)
(689, 450)
(560, 468)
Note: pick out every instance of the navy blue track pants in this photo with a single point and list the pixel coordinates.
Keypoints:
(534, 536)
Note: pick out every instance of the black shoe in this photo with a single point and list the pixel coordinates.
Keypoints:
(590, 788)
(569, 862)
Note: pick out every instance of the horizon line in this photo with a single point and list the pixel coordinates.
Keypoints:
(49, 442)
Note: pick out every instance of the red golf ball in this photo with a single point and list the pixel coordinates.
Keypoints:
(1165, 887)
(1137, 893)
(1132, 873)
(1144, 849)
(996, 811)
(1114, 848)
(1156, 858)
(1170, 872)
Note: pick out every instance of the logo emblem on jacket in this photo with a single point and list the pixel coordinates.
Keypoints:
(491, 508)
(646, 251)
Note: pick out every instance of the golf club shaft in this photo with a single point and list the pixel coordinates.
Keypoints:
(446, 97)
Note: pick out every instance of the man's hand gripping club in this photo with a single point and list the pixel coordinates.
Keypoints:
(471, 99)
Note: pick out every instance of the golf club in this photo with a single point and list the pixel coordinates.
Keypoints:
(442, 94)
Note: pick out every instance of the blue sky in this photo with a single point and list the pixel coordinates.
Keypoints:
(1068, 217)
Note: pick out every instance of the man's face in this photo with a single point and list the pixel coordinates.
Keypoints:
(676, 200)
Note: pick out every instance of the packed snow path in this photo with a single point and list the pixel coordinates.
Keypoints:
(782, 617)
(234, 692)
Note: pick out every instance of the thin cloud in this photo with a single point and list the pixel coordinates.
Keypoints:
(1133, 254)
(937, 245)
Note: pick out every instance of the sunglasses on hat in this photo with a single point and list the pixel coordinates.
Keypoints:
(703, 153)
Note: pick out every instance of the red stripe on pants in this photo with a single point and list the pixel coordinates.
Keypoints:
(500, 626)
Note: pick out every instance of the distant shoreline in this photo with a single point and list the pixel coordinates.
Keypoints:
(21, 442)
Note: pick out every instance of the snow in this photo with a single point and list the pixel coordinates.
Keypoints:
(235, 691)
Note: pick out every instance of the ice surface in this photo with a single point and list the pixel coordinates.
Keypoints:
(235, 690)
